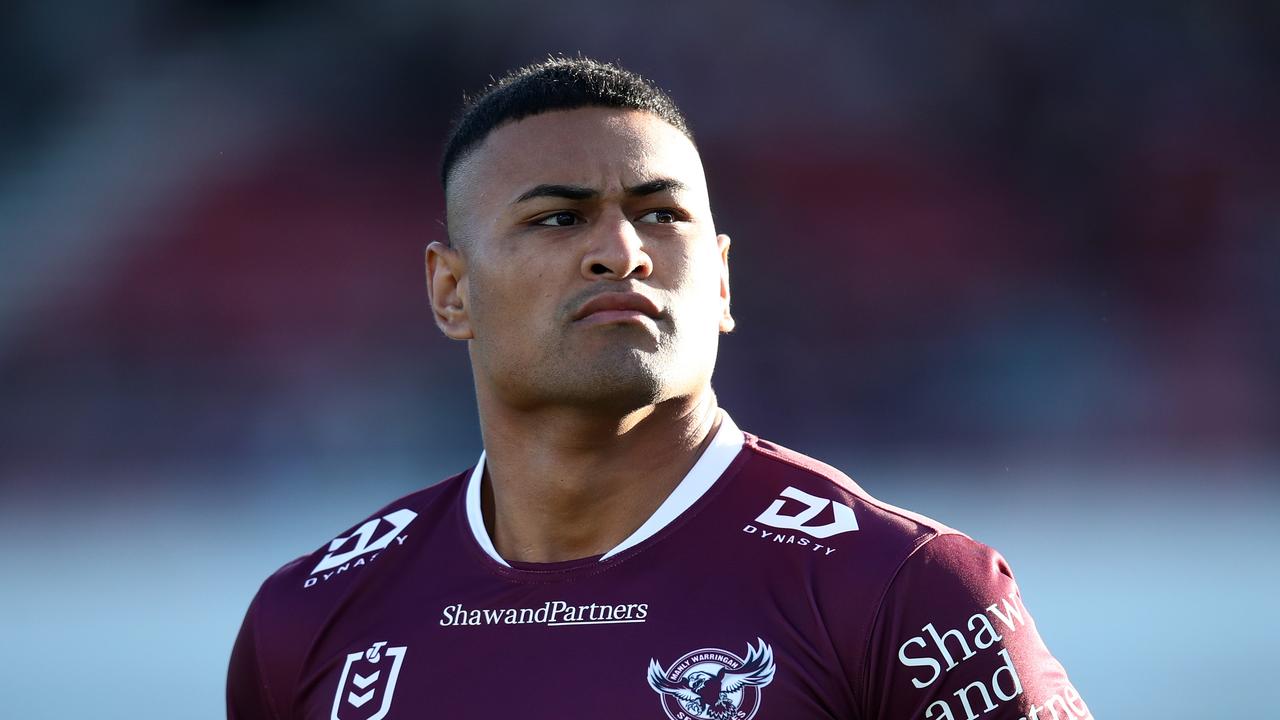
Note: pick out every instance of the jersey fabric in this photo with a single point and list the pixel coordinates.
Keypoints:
(768, 585)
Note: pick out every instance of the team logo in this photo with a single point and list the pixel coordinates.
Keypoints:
(368, 683)
(713, 684)
(842, 520)
(365, 542)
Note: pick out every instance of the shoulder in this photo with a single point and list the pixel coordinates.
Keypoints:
(806, 522)
(294, 604)
(808, 496)
(372, 541)
(297, 598)
(873, 546)
(913, 606)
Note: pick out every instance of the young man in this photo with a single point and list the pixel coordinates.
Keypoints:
(622, 549)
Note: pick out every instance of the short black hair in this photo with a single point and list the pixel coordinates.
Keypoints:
(558, 83)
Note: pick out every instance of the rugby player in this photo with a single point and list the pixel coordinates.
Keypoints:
(621, 549)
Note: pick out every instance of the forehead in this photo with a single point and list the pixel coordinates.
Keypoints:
(601, 148)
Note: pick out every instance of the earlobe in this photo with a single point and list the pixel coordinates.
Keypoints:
(727, 322)
(445, 279)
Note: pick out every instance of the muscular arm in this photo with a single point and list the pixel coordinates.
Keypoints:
(953, 641)
(247, 694)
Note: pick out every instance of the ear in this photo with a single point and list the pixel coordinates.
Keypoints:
(726, 319)
(447, 289)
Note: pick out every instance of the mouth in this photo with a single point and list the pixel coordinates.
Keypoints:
(617, 307)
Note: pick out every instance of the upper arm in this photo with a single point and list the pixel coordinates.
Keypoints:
(248, 697)
(953, 640)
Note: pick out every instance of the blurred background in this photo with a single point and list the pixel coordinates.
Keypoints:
(1015, 266)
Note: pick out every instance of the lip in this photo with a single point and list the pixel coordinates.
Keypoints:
(617, 307)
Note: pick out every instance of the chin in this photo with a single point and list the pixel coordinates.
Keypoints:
(615, 391)
(618, 380)
(624, 383)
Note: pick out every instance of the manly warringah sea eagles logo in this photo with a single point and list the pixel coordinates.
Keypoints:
(713, 684)
(368, 683)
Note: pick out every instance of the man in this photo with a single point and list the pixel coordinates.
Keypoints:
(622, 549)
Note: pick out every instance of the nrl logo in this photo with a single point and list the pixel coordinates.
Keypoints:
(713, 684)
(369, 678)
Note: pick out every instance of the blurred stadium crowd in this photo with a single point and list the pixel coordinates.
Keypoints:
(1038, 228)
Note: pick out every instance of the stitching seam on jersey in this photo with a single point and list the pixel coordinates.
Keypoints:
(834, 647)
(871, 630)
(862, 494)
(257, 659)
(814, 468)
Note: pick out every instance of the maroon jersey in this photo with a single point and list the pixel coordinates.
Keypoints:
(768, 585)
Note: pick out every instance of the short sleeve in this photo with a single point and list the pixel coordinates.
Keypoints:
(952, 640)
(247, 695)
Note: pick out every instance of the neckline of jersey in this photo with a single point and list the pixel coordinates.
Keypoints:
(710, 466)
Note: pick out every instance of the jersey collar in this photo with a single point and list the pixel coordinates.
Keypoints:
(711, 465)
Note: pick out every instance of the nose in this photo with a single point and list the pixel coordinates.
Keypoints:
(616, 251)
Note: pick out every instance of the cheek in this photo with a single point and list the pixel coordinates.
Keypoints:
(510, 307)
(700, 278)
(697, 318)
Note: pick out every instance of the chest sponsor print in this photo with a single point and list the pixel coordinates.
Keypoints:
(552, 613)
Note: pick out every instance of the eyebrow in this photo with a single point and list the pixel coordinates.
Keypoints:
(578, 192)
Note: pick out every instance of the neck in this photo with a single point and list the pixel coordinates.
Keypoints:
(566, 483)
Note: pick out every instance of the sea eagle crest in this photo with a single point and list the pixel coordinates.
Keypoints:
(714, 684)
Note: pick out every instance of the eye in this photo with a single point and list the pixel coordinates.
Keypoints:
(662, 217)
(560, 219)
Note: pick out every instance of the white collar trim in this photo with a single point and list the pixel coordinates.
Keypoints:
(711, 465)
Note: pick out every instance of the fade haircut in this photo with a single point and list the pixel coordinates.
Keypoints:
(558, 83)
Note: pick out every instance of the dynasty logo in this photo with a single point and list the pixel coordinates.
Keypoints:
(802, 522)
(347, 551)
